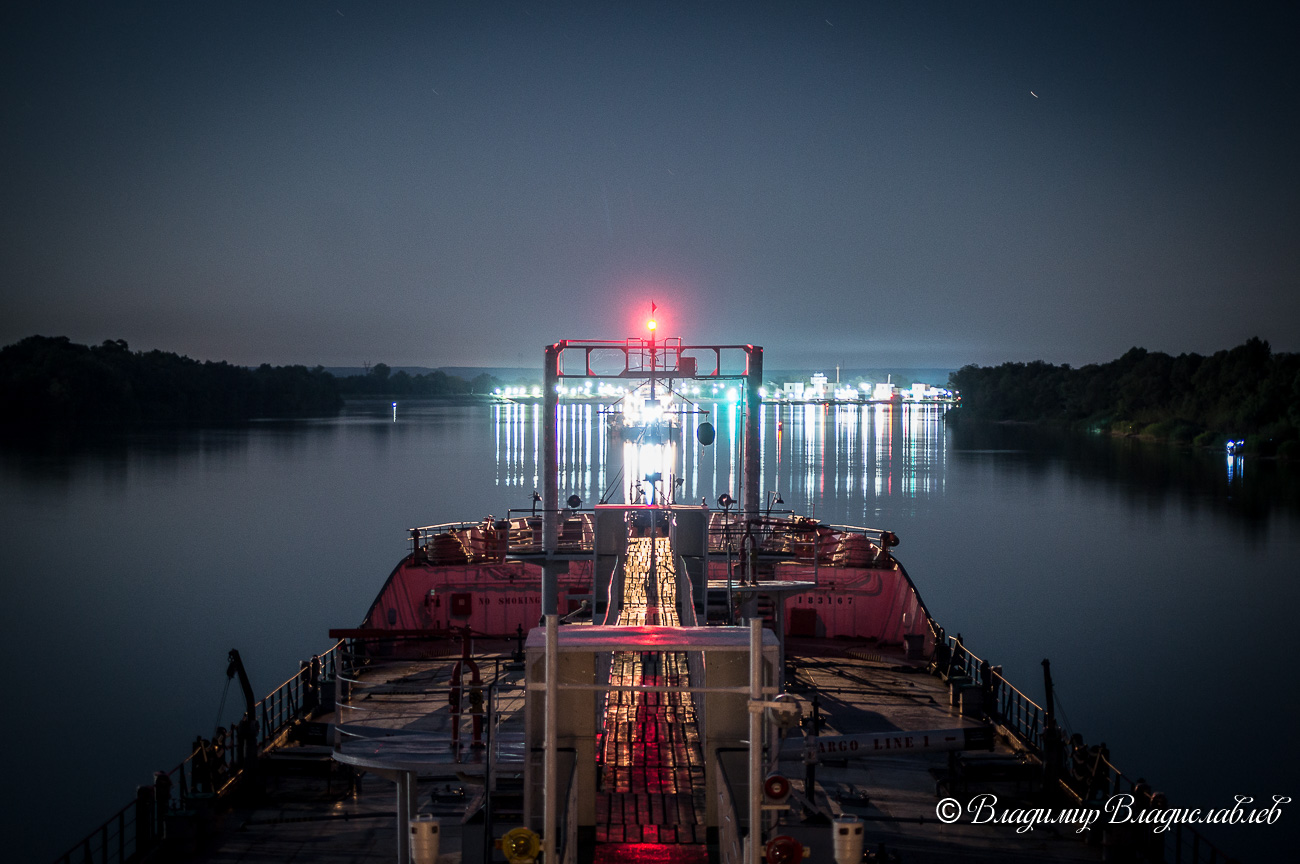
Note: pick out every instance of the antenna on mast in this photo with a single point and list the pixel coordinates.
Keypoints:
(651, 325)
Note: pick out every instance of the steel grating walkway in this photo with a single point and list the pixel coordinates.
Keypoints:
(652, 778)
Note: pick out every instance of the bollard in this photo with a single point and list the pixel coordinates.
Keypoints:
(502, 549)
(955, 685)
(145, 833)
(162, 793)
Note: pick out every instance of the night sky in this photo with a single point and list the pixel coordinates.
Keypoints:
(438, 183)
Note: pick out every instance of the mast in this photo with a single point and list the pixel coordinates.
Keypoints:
(551, 476)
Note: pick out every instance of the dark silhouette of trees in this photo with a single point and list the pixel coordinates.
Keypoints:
(53, 383)
(1244, 392)
(382, 381)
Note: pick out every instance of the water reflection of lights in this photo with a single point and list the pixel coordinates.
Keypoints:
(868, 453)
(1236, 467)
(649, 469)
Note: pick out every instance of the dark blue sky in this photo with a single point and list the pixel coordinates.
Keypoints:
(459, 183)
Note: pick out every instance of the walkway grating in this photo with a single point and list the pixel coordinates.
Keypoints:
(650, 853)
(652, 775)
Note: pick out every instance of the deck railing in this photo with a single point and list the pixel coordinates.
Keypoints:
(136, 829)
(1021, 716)
(485, 541)
(730, 533)
(116, 840)
(1094, 779)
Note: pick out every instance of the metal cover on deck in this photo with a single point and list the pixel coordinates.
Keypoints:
(772, 586)
(411, 752)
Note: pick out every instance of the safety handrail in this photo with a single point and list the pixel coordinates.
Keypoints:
(116, 840)
(138, 826)
(1096, 780)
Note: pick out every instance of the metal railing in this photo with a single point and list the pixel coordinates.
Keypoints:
(1089, 780)
(520, 533)
(118, 839)
(475, 713)
(424, 539)
(136, 829)
(778, 533)
(1021, 716)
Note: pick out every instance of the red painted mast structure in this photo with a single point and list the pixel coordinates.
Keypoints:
(655, 360)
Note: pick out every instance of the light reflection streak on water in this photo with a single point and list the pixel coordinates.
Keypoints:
(690, 455)
(537, 444)
(733, 437)
(808, 432)
(562, 442)
(865, 424)
(909, 436)
(871, 453)
(821, 446)
(780, 435)
(846, 430)
(880, 419)
(588, 425)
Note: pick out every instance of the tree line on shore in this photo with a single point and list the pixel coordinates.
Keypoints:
(380, 380)
(1247, 392)
(54, 383)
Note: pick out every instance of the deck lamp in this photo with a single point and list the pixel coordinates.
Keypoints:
(784, 850)
(520, 845)
(776, 789)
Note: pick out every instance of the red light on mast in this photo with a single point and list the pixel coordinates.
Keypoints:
(650, 325)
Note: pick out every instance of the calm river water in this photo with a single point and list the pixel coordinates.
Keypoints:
(1162, 584)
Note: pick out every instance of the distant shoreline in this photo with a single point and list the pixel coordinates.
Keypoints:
(1216, 446)
(51, 385)
(399, 398)
(1246, 394)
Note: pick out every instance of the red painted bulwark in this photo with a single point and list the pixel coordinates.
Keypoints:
(491, 598)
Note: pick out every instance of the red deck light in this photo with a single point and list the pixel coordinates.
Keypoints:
(784, 850)
(776, 789)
